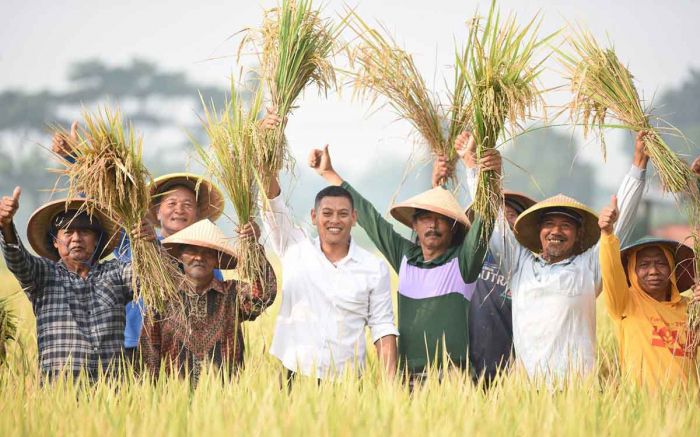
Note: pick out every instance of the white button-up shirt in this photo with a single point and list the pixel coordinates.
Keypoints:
(554, 304)
(320, 329)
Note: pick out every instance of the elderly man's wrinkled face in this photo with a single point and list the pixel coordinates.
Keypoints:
(434, 230)
(198, 262)
(75, 245)
(177, 210)
(653, 271)
(559, 235)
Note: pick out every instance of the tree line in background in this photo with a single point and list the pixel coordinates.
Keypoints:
(151, 98)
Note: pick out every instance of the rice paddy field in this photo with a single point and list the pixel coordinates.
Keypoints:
(257, 403)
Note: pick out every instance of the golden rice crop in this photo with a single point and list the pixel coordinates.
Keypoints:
(230, 158)
(381, 68)
(501, 73)
(296, 45)
(108, 169)
(8, 328)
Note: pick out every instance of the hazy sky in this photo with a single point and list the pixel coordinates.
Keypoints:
(39, 39)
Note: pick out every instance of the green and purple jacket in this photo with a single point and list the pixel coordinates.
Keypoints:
(433, 296)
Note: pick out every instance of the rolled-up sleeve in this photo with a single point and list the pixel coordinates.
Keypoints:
(381, 310)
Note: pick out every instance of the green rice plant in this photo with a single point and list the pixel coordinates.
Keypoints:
(8, 328)
(234, 147)
(296, 45)
(381, 68)
(109, 170)
(502, 77)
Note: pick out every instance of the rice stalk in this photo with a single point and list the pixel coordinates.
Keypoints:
(501, 75)
(8, 328)
(381, 68)
(234, 148)
(109, 170)
(296, 48)
(603, 87)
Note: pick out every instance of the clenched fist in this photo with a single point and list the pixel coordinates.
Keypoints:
(608, 216)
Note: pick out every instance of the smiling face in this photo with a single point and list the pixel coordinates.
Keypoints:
(434, 231)
(177, 210)
(653, 272)
(559, 235)
(199, 263)
(75, 246)
(334, 218)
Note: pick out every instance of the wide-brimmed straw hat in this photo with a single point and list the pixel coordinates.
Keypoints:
(41, 223)
(521, 199)
(684, 256)
(210, 200)
(527, 229)
(437, 200)
(204, 233)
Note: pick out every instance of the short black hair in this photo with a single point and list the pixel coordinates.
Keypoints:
(333, 191)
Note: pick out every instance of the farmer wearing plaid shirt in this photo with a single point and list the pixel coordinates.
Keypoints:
(78, 302)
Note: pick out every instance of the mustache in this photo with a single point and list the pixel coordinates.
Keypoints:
(433, 233)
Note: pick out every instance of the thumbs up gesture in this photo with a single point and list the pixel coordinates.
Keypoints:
(8, 207)
(320, 160)
(61, 145)
(608, 216)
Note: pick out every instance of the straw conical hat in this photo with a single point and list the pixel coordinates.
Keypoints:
(527, 229)
(204, 233)
(210, 200)
(437, 200)
(522, 199)
(684, 256)
(40, 224)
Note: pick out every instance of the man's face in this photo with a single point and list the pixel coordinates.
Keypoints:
(199, 262)
(334, 219)
(434, 230)
(558, 236)
(177, 210)
(653, 271)
(75, 245)
(511, 215)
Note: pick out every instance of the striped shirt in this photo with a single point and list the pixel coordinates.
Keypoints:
(79, 321)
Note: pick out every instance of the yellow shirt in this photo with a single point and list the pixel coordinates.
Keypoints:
(652, 335)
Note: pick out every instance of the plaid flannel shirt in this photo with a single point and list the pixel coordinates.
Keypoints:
(79, 322)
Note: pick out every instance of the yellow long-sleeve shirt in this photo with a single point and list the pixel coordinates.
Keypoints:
(652, 335)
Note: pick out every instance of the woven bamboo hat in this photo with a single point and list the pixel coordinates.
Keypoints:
(210, 200)
(437, 200)
(527, 229)
(519, 198)
(206, 234)
(684, 256)
(41, 223)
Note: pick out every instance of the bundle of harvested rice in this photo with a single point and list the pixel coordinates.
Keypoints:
(109, 170)
(234, 147)
(501, 74)
(381, 68)
(296, 45)
(8, 328)
(602, 86)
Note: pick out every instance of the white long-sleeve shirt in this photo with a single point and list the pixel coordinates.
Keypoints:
(320, 329)
(554, 304)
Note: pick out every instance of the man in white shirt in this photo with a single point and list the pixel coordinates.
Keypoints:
(551, 257)
(331, 290)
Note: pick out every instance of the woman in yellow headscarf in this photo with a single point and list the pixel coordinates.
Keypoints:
(641, 289)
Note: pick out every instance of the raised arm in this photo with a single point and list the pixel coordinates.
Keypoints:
(381, 232)
(503, 245)
(615, 289)
(31, 271)
(631, 190)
